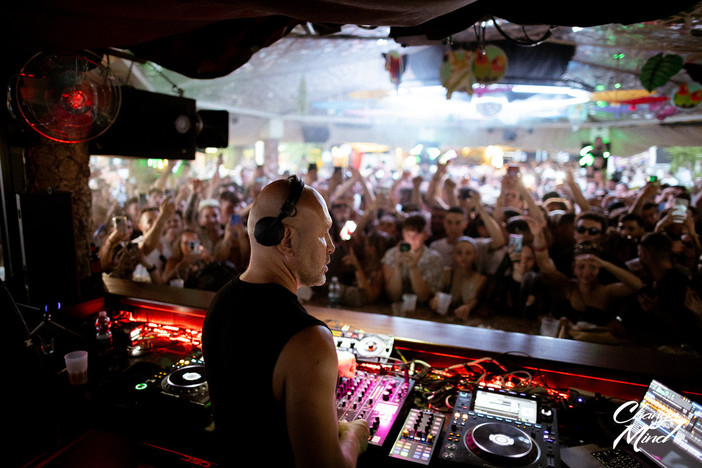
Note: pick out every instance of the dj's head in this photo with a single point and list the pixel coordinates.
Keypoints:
(268, 227)
(289, 225)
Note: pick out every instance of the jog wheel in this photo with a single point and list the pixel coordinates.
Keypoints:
(188, 379)
(502, 444)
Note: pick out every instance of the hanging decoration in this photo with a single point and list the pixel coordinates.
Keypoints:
(395, 64)
(461, 69)
(687, 96)
(489, 64)
(659, 69)
(489, 61)
(628, 97)
(455, 72)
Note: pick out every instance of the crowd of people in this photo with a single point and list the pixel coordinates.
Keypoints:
(606, 263)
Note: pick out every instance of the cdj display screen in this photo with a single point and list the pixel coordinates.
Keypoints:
(505, 406)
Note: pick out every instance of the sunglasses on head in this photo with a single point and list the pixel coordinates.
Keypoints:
(593, 231)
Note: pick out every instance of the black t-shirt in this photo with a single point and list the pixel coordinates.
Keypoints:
(674, 319)
(246, 327)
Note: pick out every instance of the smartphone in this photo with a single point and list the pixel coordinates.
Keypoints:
(465, 193)
(405, 247)
(348, 229)
(513, 170)
(194, 247)
(119, 223)
(234, 219)
(515, 243)
(680, 210)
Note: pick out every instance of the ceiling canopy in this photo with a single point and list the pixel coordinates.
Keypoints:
(322, 64)
(205, 39)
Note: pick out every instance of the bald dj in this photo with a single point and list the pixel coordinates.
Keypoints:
(271, 367)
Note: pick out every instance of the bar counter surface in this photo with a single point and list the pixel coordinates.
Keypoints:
(587, 366)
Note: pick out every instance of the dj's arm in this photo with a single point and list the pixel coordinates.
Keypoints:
(305, 379)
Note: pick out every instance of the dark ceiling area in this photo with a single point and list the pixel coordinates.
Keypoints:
(257, 60)
(205, 39)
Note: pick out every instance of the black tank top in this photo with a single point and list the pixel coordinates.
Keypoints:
(246, 327)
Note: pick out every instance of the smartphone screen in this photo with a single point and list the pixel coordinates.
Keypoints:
(404, 247)
(348, 229)
(195, 247)
(234, 219)
(680, 210)
(513, 171)
(119, 223)
(515, 243)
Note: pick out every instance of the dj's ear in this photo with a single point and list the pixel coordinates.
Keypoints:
(288, 243)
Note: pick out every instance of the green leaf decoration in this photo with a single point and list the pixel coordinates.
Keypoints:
(659, 69)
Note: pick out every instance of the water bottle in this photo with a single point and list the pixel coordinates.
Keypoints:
(334, 292)
(103, 331)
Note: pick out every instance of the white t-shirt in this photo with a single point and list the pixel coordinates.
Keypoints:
(154, 258)
(430, 265)
(488, 259)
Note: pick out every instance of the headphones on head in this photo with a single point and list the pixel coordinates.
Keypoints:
(269, 231)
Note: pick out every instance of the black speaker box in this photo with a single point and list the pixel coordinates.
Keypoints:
(315, 133)
(48, 248)
(151, 125)
(215, 129)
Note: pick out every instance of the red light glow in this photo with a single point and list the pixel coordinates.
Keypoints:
(76, 100)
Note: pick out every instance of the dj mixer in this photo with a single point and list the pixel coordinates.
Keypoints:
(417, 415)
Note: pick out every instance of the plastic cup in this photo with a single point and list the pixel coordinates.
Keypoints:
(444, 301)
(409, 302)
(549, 327)
(77, 367)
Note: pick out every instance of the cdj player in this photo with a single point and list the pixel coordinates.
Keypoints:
(497, 428)
(181, 387)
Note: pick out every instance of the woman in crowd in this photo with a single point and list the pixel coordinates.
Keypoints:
(465, 284)
(368, 269)
(586, 306)
(188, 261)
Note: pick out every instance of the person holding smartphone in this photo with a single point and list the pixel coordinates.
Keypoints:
(235, 247)
(411, 267)
(190, 258)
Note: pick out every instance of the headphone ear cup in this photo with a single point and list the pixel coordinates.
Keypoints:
(269, 231)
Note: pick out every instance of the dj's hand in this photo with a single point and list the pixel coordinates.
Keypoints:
(347, 364)
(358, 430)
